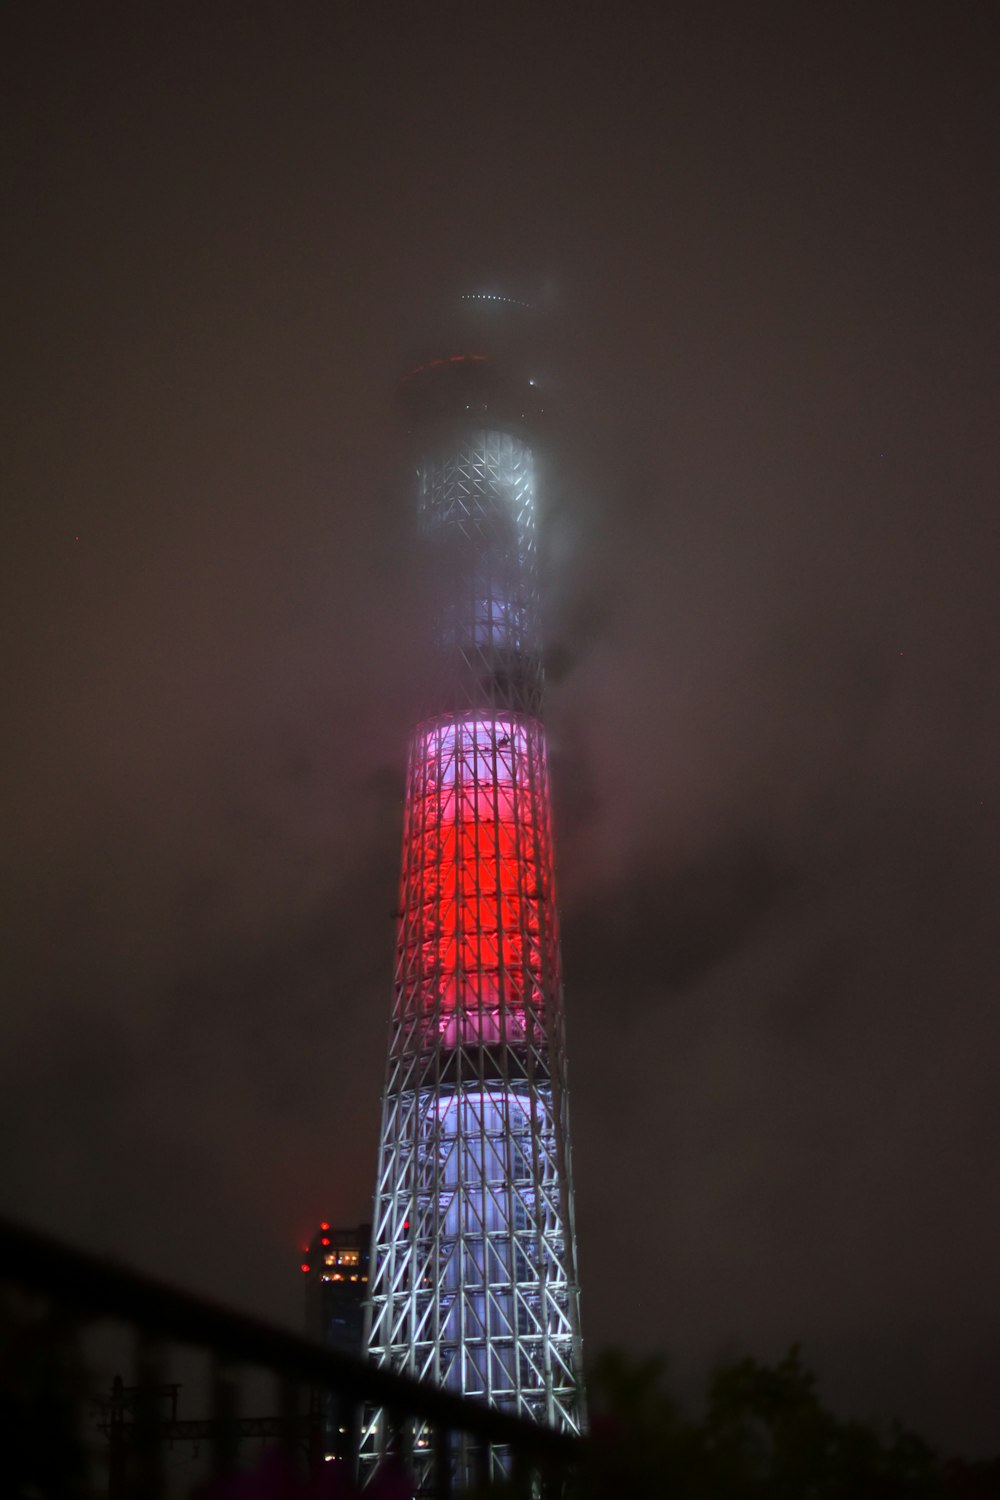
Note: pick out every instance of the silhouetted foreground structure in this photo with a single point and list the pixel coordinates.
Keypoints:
(54, 1296)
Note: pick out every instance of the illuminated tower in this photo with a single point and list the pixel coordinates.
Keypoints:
(474, 1281)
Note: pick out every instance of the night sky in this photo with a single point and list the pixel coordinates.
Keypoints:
(765, 235)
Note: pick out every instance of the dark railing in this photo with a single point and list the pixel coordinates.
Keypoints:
(52, 1296)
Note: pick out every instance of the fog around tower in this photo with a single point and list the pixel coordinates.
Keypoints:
(771, 582)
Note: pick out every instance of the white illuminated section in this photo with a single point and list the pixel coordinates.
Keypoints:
(477, 497)
(476, 754)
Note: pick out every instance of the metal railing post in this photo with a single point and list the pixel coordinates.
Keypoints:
(442, 1463)
(483, 1463)
(148, 1456)
(288, 1417)
(225, 1432)
(319, 1404)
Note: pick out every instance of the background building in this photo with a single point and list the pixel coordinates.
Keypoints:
(474, 1281)
(335, 1271)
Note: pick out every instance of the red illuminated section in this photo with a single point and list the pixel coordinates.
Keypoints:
(477, 917)
(451, 359)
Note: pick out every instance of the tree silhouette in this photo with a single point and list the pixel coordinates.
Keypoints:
(764, 1435)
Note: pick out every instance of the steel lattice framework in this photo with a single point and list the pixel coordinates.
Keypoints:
(474, 1282)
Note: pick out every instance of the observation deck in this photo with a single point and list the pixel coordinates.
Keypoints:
(470, 390)
(472, 366)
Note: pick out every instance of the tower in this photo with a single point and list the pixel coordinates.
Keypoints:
(474, 1281)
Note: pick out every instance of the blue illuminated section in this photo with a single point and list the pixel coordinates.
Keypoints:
(498, 622)
(487, 620)
(482, 1250)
